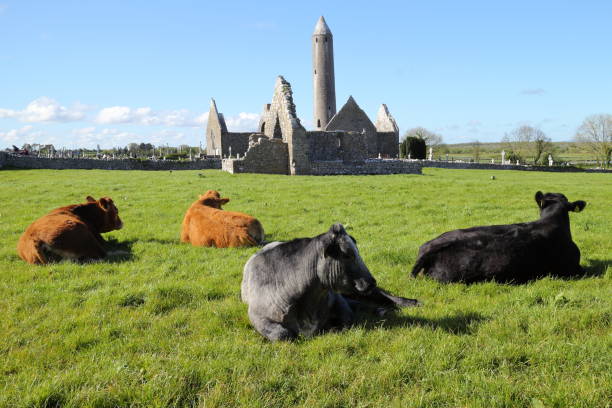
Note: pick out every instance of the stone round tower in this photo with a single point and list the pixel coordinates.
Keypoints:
(323, 74)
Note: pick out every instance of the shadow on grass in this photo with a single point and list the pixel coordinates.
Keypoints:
(597, 267)
(118, 252)
(160, 241)
(460, 323)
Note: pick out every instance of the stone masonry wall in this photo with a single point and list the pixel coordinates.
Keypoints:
(345, 146)
(239, 141)
(31, 162)
(371, 166)
(486, 166)
(292, 132)
(269, 156)
(388, 144)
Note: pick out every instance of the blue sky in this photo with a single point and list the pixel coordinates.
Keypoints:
(81, 73)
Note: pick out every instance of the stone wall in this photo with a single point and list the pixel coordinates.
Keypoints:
(331, 146)
(370, 166)
(387, 144)
(282, 111)
(487, 166)
(31, 162)
(215, 128)
(269, 156)
(238, 141)
(352, 118)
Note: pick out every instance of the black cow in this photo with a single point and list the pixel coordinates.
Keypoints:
(296, 288)
(507, 253)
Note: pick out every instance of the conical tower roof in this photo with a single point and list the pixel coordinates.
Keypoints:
(321, 28)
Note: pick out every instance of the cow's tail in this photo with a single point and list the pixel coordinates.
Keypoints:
(419, 265)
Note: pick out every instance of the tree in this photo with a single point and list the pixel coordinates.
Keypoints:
(596, 133)
(431, 139)
(413, 146)
(476, 150)
(527, 143)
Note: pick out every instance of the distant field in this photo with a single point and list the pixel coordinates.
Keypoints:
(573, 152)
(166, 327)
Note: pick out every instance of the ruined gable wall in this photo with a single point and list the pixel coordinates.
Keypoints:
(292, 132)
(214, 131)
(352, 118)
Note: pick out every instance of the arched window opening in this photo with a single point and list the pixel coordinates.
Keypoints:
(278, 134)
(263, 127)
(318, 123)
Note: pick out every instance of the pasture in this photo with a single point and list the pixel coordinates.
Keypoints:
(164, 325)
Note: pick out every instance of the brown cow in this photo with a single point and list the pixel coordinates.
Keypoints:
(206, 224)
(71, 232)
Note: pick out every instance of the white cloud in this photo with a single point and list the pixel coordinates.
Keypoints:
(243, 122)
(106, 137)
(533, 91)
(149, 117)
(18, 137)
(45, 109)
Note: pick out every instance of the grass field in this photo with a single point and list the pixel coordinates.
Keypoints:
(165, 326)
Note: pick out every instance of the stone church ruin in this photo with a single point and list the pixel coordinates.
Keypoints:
(343, 142)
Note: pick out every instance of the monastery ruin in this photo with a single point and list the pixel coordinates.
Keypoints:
(344, 142)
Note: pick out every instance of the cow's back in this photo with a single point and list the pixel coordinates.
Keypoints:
(53, 234)
(502, 252)
(208, 226)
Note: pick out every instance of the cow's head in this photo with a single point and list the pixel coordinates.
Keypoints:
(109, 219)
(550, 202)
(343, 270)
(212, 199)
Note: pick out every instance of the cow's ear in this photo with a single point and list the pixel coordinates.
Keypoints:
(332, 249)
(577, 206)
(353, 238)
(538, 197)
(105, 203)
(223, 201)
(90, 199)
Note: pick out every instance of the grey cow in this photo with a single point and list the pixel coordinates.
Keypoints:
(307, 285)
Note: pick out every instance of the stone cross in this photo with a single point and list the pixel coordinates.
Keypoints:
(550, 160)
(230, 151)
(379, 156)
(430, 153)
(492, 161)
(408, 156)
(503, 154)
(517, 162)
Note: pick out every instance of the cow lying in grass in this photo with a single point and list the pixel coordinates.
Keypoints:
(298, 287)
(71, 232)
(507, 253)
(206, 224)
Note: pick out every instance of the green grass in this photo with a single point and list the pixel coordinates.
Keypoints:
(166, 327)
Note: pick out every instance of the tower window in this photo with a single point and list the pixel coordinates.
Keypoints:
(316, 40)
(325, 39)
(315, 72)
(318, 123)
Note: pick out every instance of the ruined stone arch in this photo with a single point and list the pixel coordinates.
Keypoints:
(278, 134)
